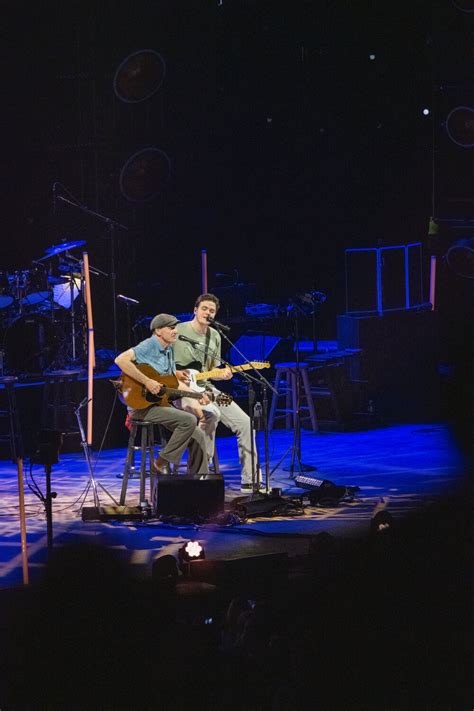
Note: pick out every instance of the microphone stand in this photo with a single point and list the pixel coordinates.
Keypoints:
(129, 302)
(265, 385)
(111, 225)
(96, 509)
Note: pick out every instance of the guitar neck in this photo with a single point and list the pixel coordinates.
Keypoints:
(174, 392)
(215, 372)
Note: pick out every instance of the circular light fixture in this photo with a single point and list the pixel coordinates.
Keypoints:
(139, 76)
(144, 175)
(460, 257)
(460, 126)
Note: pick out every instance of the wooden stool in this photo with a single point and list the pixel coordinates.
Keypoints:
(12, 431)
(287, 386)
(147, 457)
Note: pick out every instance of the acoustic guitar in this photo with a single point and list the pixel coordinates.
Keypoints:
(136, 396)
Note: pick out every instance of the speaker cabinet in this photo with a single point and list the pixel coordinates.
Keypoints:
(399, 360)
(190, 495)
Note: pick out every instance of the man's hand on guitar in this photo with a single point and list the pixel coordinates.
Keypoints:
(153, 386)
(183, 376)
(224, 374)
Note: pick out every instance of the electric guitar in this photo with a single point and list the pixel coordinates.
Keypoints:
(136, 396)
(196, 375)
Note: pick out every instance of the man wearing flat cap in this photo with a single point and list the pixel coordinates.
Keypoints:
(157, 352)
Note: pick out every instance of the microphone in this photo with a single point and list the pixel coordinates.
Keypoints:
(217, 325)
(127, 299)
(188, 340)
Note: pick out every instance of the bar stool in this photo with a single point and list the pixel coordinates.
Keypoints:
(287, 386)
(147, 457)
(12, 432)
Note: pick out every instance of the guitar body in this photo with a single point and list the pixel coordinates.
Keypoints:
(137, 396)
(193, 383)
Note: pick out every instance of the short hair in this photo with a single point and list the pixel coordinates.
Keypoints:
(207, 297)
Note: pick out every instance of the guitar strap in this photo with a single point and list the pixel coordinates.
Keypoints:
(207, 357)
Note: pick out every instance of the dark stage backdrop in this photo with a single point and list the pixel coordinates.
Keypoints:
(286, 142)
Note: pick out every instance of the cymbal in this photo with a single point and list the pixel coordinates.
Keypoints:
(63, 247)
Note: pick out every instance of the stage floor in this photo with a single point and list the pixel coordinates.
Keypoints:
(401, 468)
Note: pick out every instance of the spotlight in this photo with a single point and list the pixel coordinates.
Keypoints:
(371, 57)
(426, 112)
(192, 550)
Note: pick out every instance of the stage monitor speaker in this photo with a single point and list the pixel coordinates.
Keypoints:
(190, 495)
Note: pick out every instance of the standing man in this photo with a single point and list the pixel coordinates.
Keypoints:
(157, 351)
(204, 356)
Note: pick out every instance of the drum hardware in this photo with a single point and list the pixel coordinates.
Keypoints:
(29, 336)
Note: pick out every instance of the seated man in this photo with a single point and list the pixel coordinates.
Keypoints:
(207, 355)
(157, 352)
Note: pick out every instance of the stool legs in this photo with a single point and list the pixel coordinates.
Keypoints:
(309, 400)
(146, 449)
(286, 383)
(129, 463)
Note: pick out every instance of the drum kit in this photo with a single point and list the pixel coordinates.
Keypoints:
(38, 315)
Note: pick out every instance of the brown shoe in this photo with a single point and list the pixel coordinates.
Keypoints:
(161, 466)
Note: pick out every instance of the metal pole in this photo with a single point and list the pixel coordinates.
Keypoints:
(204, 270)
(21, 497)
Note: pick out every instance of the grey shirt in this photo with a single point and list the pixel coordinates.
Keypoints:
(207, 355)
